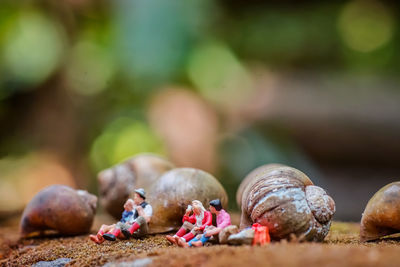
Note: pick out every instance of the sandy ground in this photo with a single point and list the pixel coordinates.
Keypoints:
(341, 248)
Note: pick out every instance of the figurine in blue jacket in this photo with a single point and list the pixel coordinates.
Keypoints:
(111, 232)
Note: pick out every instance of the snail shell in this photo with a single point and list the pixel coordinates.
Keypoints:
(174, 190)
(285, 200)
(381, 216)
(249, 177)
(117, 183)
(60, 208)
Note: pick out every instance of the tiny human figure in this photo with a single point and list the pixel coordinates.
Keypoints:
(223, 220)
(108, 230)
(193, 224)
(138, 224)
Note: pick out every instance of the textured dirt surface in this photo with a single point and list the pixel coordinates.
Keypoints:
(341, 248)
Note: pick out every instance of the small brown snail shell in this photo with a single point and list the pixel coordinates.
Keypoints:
(285, 200)
(381, 216)
(60, 208)
(117, 183)
(175, 190)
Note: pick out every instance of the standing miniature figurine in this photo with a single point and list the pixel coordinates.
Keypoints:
(194, 223)
(138, 224)
(110, 232)
(223, 220)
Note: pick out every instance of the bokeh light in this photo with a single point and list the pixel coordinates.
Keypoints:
(121, 139)
(90, 68)
(33, 46)
(218, 74)
(154, 58)
(24, 176)
(366, 25)
(188, 126)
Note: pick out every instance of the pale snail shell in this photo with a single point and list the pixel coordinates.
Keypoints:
(174, 190)
(285, 200)
(381, 216)
(60, 208)
(117, 183)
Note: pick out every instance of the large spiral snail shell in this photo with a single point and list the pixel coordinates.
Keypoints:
(285, 200)
(381, 216)
(174, 190)
(117, 183)
(249, 178)
(60, 208)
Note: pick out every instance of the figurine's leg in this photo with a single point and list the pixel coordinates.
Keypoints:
(204, 239)
(181, 232)
(194, 240)
(142, 230)
(113, 233)
(189, 236)
(123, 227)
(171, 239)
(196, 244)
(104, 229)
(95, 239)
(186, 226)
(139, 223)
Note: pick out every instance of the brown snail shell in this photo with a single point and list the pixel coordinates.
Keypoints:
(175, 190)
(117, 183)
(249, 177)
(60, 208)
(285, 200)
(381, 216)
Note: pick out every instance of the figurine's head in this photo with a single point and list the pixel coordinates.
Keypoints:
(198, 207)
(140, 196)
(215, 205)
(128, 206)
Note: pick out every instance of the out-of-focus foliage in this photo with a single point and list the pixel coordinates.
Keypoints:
(217, 73)
(366, 25)
(32, 46)
(90, 69)
(154, 37)
(121, 139)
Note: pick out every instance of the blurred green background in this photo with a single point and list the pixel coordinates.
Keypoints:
(224, 86)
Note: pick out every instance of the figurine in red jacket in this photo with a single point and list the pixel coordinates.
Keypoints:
(193, 224)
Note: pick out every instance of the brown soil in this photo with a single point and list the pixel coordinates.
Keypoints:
(341, 248)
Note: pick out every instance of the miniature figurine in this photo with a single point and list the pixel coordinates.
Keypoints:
(195, 223)
(110, 232)
(223, 220)
(138, 224)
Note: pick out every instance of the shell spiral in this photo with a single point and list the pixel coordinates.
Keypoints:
(285, 200)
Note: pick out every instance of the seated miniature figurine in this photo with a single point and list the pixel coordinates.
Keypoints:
(137, 226)
(111, 230)
(223, 220)
(194, 223)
